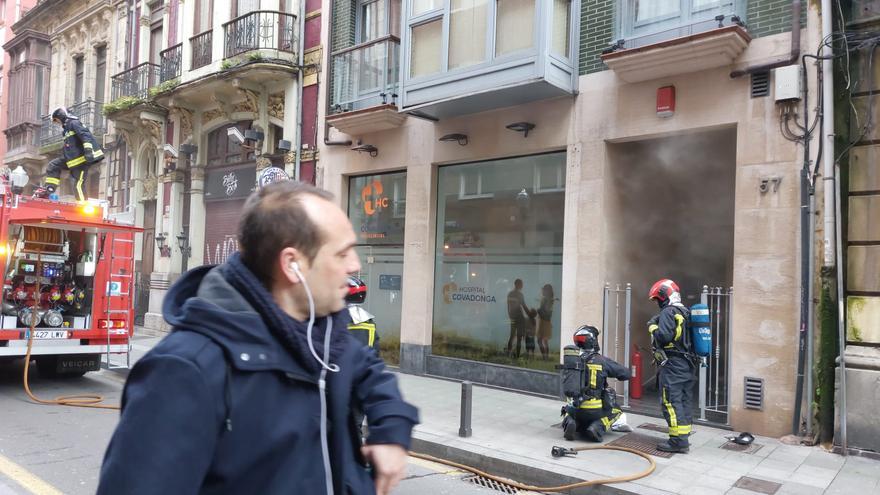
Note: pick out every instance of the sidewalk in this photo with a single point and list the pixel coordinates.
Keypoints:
(513, 434)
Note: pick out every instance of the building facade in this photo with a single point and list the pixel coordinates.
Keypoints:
(578, 150)
(211, 94)
(10, 13)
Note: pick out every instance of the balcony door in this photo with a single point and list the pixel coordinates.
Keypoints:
(376, 19)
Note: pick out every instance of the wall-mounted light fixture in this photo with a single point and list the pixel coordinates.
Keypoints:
(284, 145)
(164, 249)
(367, 148)
(183, 245)
(461, 139)
(523, 127)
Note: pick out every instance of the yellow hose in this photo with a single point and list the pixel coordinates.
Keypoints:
(560, 488)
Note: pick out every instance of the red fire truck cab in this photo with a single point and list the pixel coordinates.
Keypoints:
(68, 269)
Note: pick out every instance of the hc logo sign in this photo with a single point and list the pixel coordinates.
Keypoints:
(373, 199)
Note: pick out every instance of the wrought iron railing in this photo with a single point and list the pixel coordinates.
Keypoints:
(201, 49)
(135, 81)
(169, 64)
(365, 75)
(258, 30)
(89, 113)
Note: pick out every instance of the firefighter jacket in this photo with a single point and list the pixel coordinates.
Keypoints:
(229, 402)
(80, 146)
(669, 333)
(598, 370)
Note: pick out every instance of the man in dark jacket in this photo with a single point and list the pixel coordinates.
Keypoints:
(80, 151)
(254, 389)
(673, 356)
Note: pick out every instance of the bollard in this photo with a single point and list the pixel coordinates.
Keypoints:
(467, 395)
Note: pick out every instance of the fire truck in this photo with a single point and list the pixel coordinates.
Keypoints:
(68, 274)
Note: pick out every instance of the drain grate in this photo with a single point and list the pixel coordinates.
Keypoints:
(745, 449)
(757, 485)
(654, 427)
(490, 484)
(642, 443)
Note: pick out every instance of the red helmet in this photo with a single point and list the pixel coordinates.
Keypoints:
(662, 289)
(357, 291)
(586, 337)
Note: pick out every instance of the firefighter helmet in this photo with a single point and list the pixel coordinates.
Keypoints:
(587, 337)
(60, 114)
(357, 291)
(662, 290)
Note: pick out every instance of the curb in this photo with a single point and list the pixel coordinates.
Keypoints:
(508, 469)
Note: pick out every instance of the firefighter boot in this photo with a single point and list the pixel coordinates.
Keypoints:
(668, 446)
(569, 428)
(594, 432)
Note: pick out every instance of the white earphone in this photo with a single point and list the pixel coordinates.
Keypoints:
(324, 362)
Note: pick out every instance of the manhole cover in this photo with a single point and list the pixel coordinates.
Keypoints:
(654, 427)
(490, 484)
(642, 443)
(756, 485)
(745, 449)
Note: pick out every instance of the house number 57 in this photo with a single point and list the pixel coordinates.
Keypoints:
(769, 184)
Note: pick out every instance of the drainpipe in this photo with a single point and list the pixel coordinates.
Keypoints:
(299, 89)
(795, 46)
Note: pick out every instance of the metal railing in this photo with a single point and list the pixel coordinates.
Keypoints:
(613, 329)
(170, 60)
(257, 30)
(202, 46)
(135, 81)
(714, 374)
(365, 75)
(89, 113)
(720, 21)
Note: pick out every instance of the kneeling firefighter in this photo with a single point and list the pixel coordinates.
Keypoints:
(80, 151)
(591, 408)
(676, 362)
(363, 324)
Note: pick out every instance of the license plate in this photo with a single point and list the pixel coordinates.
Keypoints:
(50, 334)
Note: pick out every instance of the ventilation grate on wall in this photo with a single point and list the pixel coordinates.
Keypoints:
(760, 84)
(754, 393)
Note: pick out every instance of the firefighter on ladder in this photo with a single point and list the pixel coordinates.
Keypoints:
(80, 151)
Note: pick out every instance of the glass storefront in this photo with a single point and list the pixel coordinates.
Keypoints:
(376, 207)
(498, 273)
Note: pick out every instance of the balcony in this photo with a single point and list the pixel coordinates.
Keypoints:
(259, 30)
(202, 45)
(89, 113)
(364, 84)
(681, 50)
(169, 63)
(135, 82)
(487, 55)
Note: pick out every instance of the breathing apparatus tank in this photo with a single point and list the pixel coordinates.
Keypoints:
(701, 330)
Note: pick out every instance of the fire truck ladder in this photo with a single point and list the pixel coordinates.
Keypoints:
(125, 279)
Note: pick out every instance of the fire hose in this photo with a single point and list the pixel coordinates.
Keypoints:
(84, 400)
(556, 452)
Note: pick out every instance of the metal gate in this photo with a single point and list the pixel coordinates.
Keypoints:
(714, 374)
(617, 311)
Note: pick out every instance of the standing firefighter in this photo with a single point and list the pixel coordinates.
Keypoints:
(591, 410)
(79, 153)
(670, 340)
(362, 325)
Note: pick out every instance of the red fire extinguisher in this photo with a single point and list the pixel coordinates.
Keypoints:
(635, 383)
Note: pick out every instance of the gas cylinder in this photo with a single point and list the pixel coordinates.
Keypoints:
(635, 383)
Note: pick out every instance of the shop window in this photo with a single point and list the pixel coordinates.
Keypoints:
(376, 207)
(494, 229)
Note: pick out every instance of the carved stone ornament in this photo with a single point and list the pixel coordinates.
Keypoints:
(290, 157)
(153, 128)
(150, 185)
(263, 162)
(276, 106)
(251, 101)
(211, 115)
(186, 121)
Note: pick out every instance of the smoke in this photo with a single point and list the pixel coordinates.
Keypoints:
(670, 212)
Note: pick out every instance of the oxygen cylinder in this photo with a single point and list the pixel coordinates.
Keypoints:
(635, 383)
(701, 330)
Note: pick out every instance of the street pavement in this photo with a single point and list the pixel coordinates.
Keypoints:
(50, 449)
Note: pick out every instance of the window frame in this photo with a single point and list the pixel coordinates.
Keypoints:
(628, 28)
(490, 58)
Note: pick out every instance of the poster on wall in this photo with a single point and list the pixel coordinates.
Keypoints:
(230, 183)
(377, 208)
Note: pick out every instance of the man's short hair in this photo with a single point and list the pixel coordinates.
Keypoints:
(275, 218)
